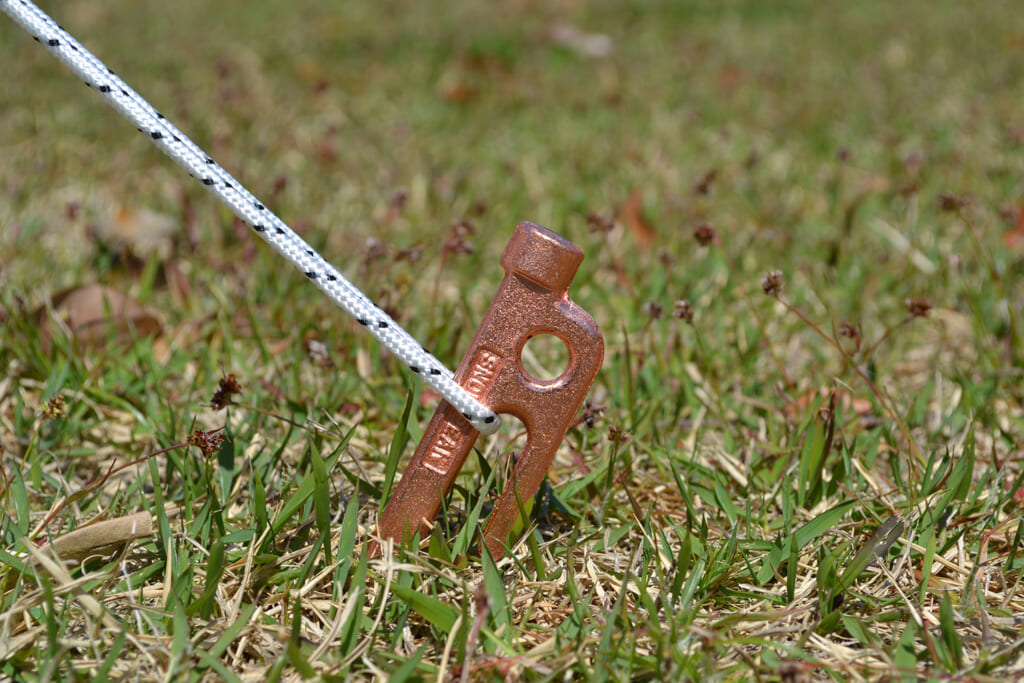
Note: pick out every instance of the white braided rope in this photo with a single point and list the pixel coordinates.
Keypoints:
(243, 204)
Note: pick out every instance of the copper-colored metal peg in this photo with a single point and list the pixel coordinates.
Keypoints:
(533, 299)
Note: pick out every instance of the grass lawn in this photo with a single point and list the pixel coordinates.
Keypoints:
(803, 457)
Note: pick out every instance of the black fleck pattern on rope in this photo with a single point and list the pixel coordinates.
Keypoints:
(243, 204)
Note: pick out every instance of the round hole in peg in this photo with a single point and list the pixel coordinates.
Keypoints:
(544, 357)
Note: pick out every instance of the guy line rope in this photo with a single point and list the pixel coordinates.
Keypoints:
(243, 204)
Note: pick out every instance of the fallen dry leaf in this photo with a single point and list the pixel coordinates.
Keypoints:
(100, 537)
(632, 215)
(93, 312)
(140, 232)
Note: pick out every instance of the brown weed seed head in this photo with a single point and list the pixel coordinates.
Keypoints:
(917, 308)
(684, 311)
(617, 435)
(950, 202)
(706, 181)
(318, 352)
(772, 283)
(653, 309)
(909, 189)
(597, 222)
(591, 413)
(207, 442)
(410, 254)
(374, 250)
(227, 388)
(850, 331)
(458, 239)
(398, 199)
(705, 234)
(54, 408)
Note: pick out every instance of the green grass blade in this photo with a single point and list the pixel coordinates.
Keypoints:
(226, 465)
(950, 636)
(22, 510)
(876, 547)
(905, 657)
(115, 653)
(442, 615)
(408, 668)
(497, 595)
(321, 502)
(203, 605)
(179, 637)
(398, 444)
(258, 504)
(232, 632)
(822, 523)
